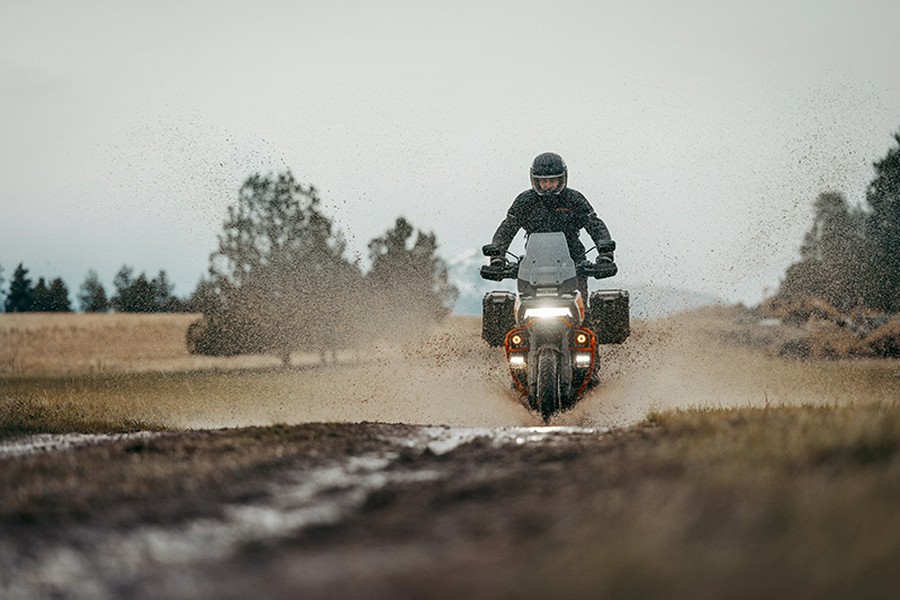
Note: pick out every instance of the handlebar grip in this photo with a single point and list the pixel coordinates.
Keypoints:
(598, 271)
(492, 273)
(498, 273)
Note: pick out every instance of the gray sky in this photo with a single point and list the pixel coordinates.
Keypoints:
(701, 131)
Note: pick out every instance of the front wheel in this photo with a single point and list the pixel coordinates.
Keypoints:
(549, 398)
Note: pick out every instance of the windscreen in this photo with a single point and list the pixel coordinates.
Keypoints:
(547, 265)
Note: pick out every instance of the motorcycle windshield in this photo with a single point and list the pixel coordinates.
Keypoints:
(547, 267)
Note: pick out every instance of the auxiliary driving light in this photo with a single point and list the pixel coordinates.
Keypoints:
(582, 359)
(516, 360)
(548, 312)
(516, 339)
(581, 339)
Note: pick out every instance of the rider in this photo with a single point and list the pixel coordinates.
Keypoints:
(550, 205)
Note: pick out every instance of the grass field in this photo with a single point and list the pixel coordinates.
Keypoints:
(117, 372)
(726, 473)
(40, 344)
(104, 373)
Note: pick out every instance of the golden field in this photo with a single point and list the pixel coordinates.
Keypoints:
(109, 372)
(67, 343)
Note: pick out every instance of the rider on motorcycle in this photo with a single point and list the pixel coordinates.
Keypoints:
(549, 206)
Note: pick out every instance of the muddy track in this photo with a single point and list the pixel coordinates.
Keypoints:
(309, 504)
(476, 500)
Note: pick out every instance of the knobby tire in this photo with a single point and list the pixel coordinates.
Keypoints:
(548, 393)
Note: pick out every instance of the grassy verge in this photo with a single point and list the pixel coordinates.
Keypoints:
(786, 502)
(109, 403)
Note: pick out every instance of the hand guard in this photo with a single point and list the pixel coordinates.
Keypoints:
(603, 268)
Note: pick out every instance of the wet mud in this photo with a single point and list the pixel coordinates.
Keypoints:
(416, 473)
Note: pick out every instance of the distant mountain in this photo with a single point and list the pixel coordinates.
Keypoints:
(648, 301)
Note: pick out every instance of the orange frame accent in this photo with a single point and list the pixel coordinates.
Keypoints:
(591, 347)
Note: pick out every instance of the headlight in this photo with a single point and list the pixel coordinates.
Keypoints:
(548, 312)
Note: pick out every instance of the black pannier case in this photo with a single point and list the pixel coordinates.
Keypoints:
(610, 320)
(498, 316)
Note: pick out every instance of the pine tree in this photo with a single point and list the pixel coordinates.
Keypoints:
(163, 298)
(851, 256)
(20, 297)
(832, 264)
(133, 294)
(58, 296)
(883, 230)
(40, 296)
(92, 295)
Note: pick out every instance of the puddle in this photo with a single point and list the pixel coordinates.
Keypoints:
(298, 500)
(56, 442)
(102, 563)
(441, 440)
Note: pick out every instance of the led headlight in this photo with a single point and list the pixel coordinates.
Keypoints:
(582, 359)
(517, 360)
(548, 312)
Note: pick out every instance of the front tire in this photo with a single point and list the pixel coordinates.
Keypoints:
(549, 397)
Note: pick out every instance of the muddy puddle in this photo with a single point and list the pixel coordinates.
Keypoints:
(57, 442)
(101, 563)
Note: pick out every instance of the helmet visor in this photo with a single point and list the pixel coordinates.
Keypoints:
(546, 186)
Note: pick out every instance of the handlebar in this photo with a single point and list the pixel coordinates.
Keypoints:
(599, 270)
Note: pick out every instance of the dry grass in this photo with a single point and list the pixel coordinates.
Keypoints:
(446, 377)
(55, 344)
(118, 379)
(784, 503)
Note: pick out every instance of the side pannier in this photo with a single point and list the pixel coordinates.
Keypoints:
(498, 316)
(609, 315)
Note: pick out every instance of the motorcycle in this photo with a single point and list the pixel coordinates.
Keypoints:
(550, 335)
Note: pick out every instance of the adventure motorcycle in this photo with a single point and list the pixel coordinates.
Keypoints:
(550, 336)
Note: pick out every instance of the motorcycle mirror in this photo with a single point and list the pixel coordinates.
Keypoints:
(491, 250)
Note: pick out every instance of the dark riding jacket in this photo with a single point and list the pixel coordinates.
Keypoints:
(569, 212)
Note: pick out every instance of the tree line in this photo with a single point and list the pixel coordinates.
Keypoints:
(280, 281)
(132, 294)
(850, 257)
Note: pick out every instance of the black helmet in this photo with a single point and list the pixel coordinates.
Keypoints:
(548, 166)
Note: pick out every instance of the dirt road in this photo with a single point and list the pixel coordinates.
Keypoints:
(431, 480)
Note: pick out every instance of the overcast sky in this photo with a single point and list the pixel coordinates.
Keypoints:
(701, 131)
